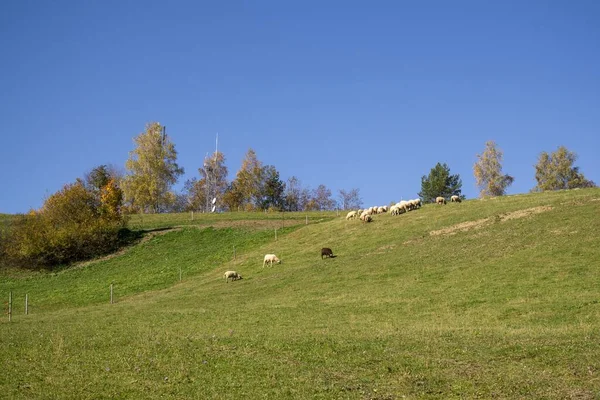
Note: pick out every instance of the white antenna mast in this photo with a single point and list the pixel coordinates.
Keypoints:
(214, 200)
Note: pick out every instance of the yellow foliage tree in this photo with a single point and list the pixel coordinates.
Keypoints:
(153, 170)
(488, 172)
(555, 171)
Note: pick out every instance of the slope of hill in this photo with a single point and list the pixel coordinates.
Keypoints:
(491, 298)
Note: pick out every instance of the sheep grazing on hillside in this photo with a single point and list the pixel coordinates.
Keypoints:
(440, 200)
(271, 258)
(367, 218)
(351, 215)
(455, 199)
(364, 214)
(326, 252)
(415, 203)
(403, 205)
(380, 210)
(233, 275)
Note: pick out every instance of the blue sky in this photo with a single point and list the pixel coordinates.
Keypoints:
(367, 95)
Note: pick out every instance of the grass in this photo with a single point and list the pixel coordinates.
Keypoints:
(507, 307)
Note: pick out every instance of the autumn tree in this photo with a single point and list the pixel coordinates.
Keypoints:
(555, 171)
(248, 183)
(194, 195)
(233, 198)
(321, 199)
(488, 172)
(293, 189)
(350, 199)
(440, 182)
(152, 171)
(73, 224)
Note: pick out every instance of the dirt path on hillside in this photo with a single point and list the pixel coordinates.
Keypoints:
(469, 225)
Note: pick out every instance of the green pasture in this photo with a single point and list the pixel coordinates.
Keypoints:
(496, 298)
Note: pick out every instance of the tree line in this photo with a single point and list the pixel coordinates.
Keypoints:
(88, 217)
(553, 171)
(152, 170)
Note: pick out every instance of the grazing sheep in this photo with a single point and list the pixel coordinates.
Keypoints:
(396, 209)
(325, 251)
(415, 203)
(455, 199)
(351, 215)
(440, 200)
(364, 215)
(271, 258)
(380, 210)
(403, 205)
(233, 275)
(367, 218)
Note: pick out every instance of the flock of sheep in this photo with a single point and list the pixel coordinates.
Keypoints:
(397, 209)
(365, 216)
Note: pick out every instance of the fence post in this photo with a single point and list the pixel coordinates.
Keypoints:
(9, 306)
(26, 304)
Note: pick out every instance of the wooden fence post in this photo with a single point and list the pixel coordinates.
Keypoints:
(9, 306)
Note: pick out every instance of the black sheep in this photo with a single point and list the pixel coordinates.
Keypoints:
(326, 252)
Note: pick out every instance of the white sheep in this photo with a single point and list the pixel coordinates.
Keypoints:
(351, 215)
(455, 199)
(271, 258)
(403, 205)
(380, 210)
(233, 275)
(367, 218)
(415, 203)
(440, 200)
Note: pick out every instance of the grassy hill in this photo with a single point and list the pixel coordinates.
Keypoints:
(494, 298)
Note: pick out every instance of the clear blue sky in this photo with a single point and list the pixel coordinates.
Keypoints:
(349, 94)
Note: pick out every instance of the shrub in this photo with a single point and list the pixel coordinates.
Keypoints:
(73, 224)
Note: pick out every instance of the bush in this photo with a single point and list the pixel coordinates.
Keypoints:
(74, 224)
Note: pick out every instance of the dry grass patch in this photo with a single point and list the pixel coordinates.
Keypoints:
(470, 225)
